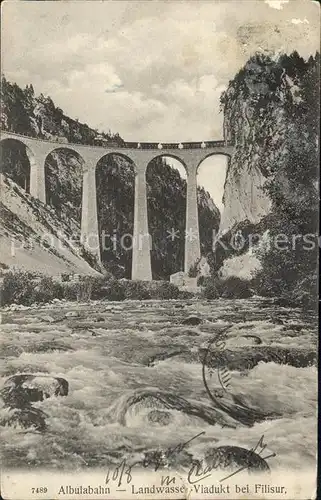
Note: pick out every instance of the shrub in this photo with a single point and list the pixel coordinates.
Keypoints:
(70, 290)
(85, 288)
(262, 286)
(97, 286)
(301, 293)
(228, 288)
(88, 287)
(305, 292)
(234, 287)
(136, 290)
(17, 287)
(165, 291)
(200, 280)
(26, 288)
(113, 290)
(46, 290)
(184, 294)
(194, 269)
(65, 277)
(210, 290)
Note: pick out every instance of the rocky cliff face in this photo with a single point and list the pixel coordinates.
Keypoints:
(244, 198)
(271, 114)
(255, 119)
(258, 111)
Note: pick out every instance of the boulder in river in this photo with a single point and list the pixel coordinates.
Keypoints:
(277, 321)
(192, 320)
(231, 458)
(72, 314)
(246, 357)
(47, 319)
(160, 417)
(20, 391)
(167, 401)
(47, 346)
(253, 338)
(242, 340)
(25, 417)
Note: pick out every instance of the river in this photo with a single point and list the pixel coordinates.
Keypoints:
(112, 352)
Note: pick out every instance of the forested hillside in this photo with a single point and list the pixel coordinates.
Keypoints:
(24, 113)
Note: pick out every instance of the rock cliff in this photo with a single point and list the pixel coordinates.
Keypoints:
(271, 114)
(254, 118)
(259, 108)
(244, 198)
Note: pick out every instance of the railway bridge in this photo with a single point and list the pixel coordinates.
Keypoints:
(190, 154)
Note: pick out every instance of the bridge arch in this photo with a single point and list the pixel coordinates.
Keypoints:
(65, 146)
(63, 171)
(114, 174)
(211, 175)
(120, 154)
(174, 156)
(17, 161)
(213, 154)
(166, 212)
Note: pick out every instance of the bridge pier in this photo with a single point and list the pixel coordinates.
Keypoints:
(37, 175)
(141, 259)
(192, 236)
(89, 219)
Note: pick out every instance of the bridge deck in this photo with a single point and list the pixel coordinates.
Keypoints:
(130, 145)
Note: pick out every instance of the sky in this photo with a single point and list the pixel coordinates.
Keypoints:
(149, 70)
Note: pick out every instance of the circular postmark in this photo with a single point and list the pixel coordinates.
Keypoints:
(214, 362)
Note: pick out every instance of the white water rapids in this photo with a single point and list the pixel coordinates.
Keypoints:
(112, 353)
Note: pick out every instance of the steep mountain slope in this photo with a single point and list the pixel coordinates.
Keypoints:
(24, 113)
(33, 237)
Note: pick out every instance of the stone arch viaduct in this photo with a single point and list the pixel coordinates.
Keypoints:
(190, 154)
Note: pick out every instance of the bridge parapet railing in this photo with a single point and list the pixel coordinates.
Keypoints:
(129, 145)
(177, 145)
